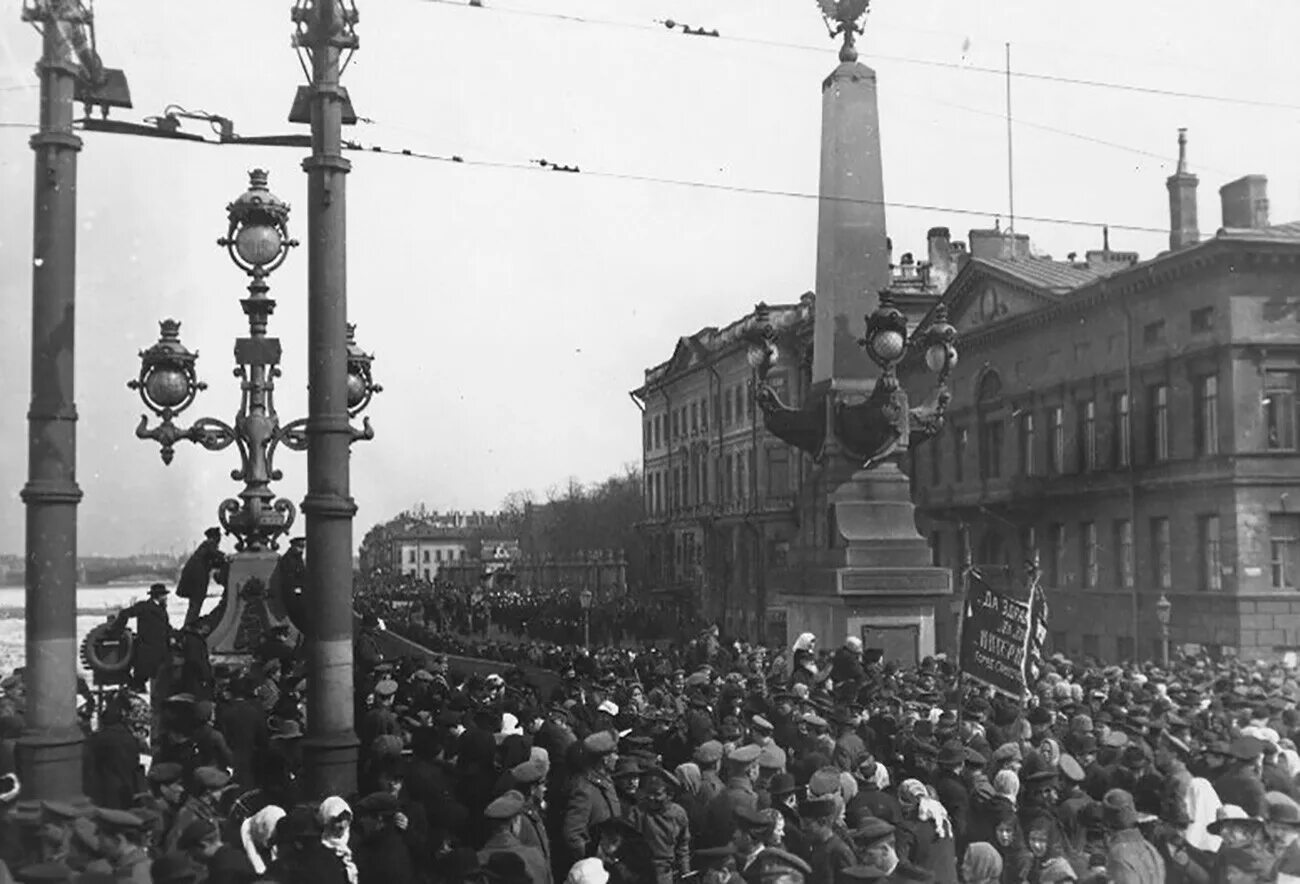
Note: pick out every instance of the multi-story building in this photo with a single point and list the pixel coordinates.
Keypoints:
(1133, 426)
(424, 545)
(720, 491)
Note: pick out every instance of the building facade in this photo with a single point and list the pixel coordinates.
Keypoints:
(437, 540)
(1132, 426)
(720, 492)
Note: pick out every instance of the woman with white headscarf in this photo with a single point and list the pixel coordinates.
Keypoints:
(335, 818)
(925, 837)
(257, 836)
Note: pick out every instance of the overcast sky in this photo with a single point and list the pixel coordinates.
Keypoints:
(510, 311)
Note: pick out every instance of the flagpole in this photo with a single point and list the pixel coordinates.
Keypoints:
(961, 637)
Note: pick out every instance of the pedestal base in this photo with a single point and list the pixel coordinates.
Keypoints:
(49, 768)
(248, 610)
(865, 571)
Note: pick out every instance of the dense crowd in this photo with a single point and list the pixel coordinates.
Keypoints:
(552, 615)
(704, 760)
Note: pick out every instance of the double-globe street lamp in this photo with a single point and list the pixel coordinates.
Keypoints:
(258, 242)
(885, 424)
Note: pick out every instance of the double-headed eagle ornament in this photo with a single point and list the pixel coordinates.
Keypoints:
(842, 18)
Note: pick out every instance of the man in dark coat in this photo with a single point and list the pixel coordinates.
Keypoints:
(153, 634)
(197, 571)
(111, 761)
(243, 723)
(952, 792)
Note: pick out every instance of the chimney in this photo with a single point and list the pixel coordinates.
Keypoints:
(1183, 230)
(998, 243)
(1245, 202)
(943, 261)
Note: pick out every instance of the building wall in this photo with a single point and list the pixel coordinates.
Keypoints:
(423, 557)
(1090, 350)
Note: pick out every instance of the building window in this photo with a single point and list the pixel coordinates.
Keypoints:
(936, 460)
(1086, 413)
(729, 482)
(1088, 553)
(1122, 439)
(659, 424)
(1153, 333)
(1055, 439)
(1205, 410)
(751, 487)
(726, 412)
(750, 403)
(1055, 570)
(1124, 648)
(649, 434)
(1207, 533)
(427, 575)
(1161, 554)
(991, 449)
(410, 556)
(426, 555)
(936, 548)
(1279, 409)
(1158, 432)
(1028, 442)
(438, 554)
(1202, 320)
(1029, 545)
(704, 415)
(1284, 549)
(717, 409)
(695, 417)
(1091, 646)
(676, 427)
(1124, 553)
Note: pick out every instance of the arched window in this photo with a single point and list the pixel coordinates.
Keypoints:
(990, 388)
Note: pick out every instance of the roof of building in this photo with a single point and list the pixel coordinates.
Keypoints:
(1058, 277)
(1287, 232)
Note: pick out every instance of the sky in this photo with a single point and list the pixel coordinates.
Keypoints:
(511, 310)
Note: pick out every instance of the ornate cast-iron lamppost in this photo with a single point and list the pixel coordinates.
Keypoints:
(258, 242)
(884, 425)
(1163, 610)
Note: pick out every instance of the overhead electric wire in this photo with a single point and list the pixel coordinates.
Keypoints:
(902, 59)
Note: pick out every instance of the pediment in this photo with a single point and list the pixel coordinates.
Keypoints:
(980, 296)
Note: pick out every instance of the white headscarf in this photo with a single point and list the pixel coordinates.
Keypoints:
(1203, 805)
(256, 831)
(804, 641)
(331, 809)
(914, 792)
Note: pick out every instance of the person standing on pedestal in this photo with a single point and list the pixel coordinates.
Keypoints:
(197, 571)
(288, 582)
(153, 635)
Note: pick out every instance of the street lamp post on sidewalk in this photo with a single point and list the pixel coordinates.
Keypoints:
(1163, 609)
(585, 599)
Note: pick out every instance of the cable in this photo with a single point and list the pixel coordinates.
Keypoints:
(730, 188)
(902, 59)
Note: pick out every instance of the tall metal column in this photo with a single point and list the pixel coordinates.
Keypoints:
(49, 751)
(330, 749)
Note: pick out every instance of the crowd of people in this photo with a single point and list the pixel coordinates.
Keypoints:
(705, 760)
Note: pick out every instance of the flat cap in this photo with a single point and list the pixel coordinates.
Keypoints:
(59, 810)
(708, 753)
(386, 687)
(750, 820)
(165, 772)
(746, 754)
(770, 758)
(600, 743)
(872, 831)
(118, 820)
(818, 808)
(529, 772)
(761, 724)
(506, 807)
(211, 777)
(378, 803)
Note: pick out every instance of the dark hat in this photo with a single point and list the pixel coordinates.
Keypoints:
(211, 777)
(818, 808)
(1283, 810)
(111, 819)
(714, 857)
(620, 826)
(286, 729)
(600, 743)
(872, 831)
(528, 772)
(508, 806)
(1134, 756)
(158, 590)
(298, 541)
(952, 753)
(173, 867)
(1037, 770)
(750, 820)
(165, 772)
(378, 803)
(1246, 748)
(774, 860)
(853, 874)
(627, 767)
(1118, 810)
(197, 832)
(781, 784)
(1039, 716)
(214, 533)
(974, 758)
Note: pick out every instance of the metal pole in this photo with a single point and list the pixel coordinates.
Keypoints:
(330, 748)
(586, 628)
(1164, 646)
(1011, 173)
(49, 751)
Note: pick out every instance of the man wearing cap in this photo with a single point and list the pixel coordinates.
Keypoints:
(1241, 784)
(592, 798)
(708, 756)
(529, 780)
(849, 749)
(197, 571)
(153, 634)
(208, 784)
(166, 792)
(122, 836)
(740, 769)
(504, 824)
(762, 734)
(288, 581)
(664, 826)
(380, 720)
(950, 787)
(828, 854)
(111, 760)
